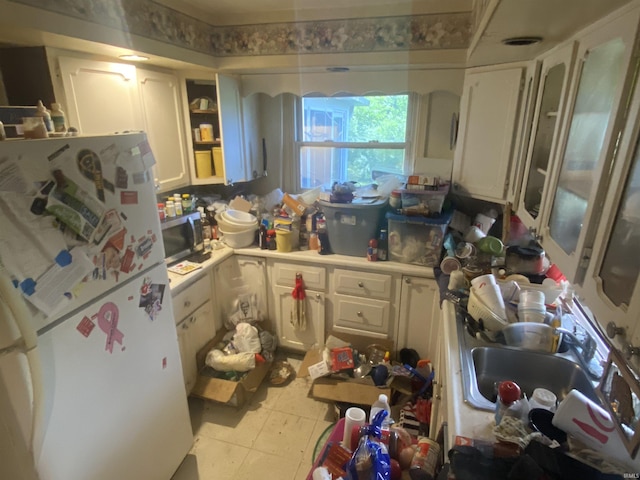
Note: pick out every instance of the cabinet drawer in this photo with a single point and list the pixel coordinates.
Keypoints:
(363, 284)
(191, 297)
(364, 316)
(284, 275)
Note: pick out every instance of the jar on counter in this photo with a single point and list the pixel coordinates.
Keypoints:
(170, 208)
(186, 203)
(395, 200)
(161, 211)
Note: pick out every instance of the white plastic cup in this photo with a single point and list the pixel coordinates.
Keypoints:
(353, 417)
(473, 234)
(483, 222)
(487, 290)
(532, 298)
(531, 315)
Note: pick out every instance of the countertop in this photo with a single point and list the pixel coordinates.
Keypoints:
(179, 282)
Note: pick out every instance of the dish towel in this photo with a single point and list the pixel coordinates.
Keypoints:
(298, 315)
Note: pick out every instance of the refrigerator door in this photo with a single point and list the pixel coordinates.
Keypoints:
(115, 406)
(78, 218)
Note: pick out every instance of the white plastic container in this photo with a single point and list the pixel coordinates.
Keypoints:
(543, 398)
(44, 113)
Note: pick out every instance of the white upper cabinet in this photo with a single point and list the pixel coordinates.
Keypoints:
(160, 99)
(214, 101)
(102, 97)
(105, 97)
(595, 118)
(611, 287)
(486, 137)
(548, 115)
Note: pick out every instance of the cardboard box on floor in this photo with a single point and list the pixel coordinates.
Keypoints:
(226, 391)
(336, 388)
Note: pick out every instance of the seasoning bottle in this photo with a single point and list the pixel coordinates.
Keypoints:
(271, 239)
(262, 237)
(206, 226)
(177, 201)
(383, 245)
(58, 118)
(161, 211)
(508, 394)
(372, 250)
(186, 203)
(323, 237)
(170, 208)
(46, 117)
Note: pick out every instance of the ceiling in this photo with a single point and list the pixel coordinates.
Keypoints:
(553, 20)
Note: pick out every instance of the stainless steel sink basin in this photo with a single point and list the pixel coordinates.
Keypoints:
(485, 364)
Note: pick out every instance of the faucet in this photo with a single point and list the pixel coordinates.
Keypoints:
(587, 346)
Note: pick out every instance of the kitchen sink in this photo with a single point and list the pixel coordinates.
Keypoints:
(484, 364)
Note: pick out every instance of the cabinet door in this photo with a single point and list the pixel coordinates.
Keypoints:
(187, 355)
(230, 112)
(254, 148)
(289, 336)
(102, 97)
(611, 287)
(549, 108)
(201, 327)
(417, 326)
(161, 107)
(488, 114)
(598, 94)
(237, 276)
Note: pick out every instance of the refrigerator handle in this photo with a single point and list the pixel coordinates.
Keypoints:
(192, 234)
(20, 314)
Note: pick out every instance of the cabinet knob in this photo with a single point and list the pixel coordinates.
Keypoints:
(613, 330)
(407, 280)
(192, 319)
(185, 326)
(317, 295)
(359, 314)
(361, 285)
(187, 303)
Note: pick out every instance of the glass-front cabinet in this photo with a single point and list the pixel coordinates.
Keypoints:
(595, 118)
(611, 287)
(548, 116)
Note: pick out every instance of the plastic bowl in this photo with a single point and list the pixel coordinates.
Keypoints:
(529, 336)
(232, 227)
(237, 217)
(239, 239)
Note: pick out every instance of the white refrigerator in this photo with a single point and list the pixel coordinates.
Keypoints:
(91, 383)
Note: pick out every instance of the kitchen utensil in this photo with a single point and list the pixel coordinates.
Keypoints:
(240, 239)
(487, 290)
(478, 310)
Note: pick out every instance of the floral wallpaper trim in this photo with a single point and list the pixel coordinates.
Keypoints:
(152, 20)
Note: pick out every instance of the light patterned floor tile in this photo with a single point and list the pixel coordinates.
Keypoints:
(215, 460)
(240, 427)
(263, 466)
(285, 435)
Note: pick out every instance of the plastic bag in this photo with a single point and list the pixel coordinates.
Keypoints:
(240, 362)
(246, 310)
(371, 460)
(247, 339)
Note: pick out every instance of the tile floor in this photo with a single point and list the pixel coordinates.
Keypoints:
(272, 437)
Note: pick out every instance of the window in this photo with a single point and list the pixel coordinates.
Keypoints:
(351, 138)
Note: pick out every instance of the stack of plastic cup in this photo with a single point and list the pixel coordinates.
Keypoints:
(531, 306)
(487, 290)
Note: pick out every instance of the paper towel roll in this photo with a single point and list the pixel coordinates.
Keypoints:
(354, 417)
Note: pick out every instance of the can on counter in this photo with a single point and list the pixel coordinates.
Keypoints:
(425, 460)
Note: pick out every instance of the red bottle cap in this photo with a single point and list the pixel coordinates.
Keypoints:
(509, 392)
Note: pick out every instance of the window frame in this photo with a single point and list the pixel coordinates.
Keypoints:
(412, 125)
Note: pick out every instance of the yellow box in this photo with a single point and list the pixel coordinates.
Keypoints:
(218, 164)
(203, 164)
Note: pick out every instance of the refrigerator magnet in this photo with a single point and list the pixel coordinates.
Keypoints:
(86, 326)
(129, 197)
(107, 319)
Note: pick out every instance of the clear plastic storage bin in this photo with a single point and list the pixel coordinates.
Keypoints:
(417, 240)
(432, 200)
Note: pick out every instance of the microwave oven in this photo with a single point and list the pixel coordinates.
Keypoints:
(182, 236)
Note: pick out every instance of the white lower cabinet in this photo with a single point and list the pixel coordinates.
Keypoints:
(194, 332)
(365, 303)
(283, 307)
(419, 321)
(290, 336)
(439, 402)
